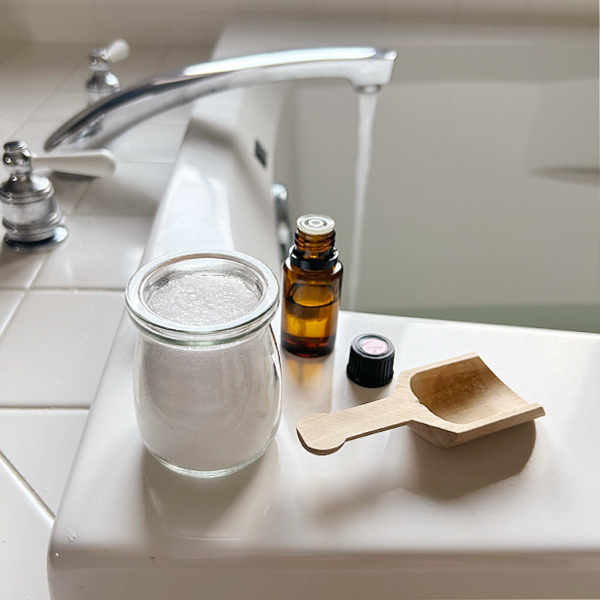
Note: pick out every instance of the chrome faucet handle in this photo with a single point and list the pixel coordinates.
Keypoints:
(117, 51)
(31, 217)
(90, 163)
(103, 82)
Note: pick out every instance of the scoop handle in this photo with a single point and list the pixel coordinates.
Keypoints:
(322, 433)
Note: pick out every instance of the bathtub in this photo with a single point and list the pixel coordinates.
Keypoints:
(447, 229)
(482, 202)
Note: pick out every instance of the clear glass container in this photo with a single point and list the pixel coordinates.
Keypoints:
(207, 374)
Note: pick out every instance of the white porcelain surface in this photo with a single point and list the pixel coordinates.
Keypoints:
(51, 24)
(150, 142)
(35, 134)
(60, 106)
(509, 503)
(484, 185)
(186, 21)
(175, 116)
(69, 190)
(183, 55)
(18, 270)
(8, 304)
(15, 109)
(146, 26)
(57, 58)
(24, 529)
(41, 444)
(21, 79)
(38, 68)
(54, 349)
(100, 252)
(135, 190)
(144, 61)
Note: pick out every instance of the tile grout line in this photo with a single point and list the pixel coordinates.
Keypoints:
(73, 211)
(77, 290)
(14, 311)
(11, 467)
(38, 407)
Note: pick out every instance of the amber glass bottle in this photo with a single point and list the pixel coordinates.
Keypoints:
(312, 284)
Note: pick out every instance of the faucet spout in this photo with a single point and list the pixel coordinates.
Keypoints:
(366, 68)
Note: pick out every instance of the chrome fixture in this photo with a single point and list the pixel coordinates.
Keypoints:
(32, 219)
(31, 216)
(367, 69)
(282, 219)
(103, 82)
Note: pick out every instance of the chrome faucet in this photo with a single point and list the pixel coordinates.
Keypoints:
(31, 216)
(367, 69)
(103, 82)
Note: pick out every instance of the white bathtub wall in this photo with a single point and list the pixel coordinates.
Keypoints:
(483, 198)
(200, 21)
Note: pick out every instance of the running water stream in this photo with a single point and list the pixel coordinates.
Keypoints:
(367, 105)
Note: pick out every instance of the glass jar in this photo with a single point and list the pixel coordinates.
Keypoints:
(207, 374)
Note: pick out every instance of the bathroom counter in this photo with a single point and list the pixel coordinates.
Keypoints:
(510, 515)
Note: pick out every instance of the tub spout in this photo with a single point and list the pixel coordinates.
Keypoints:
(366, 68)
(367, 89)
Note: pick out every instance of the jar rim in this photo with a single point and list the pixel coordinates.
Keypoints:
(148, 321)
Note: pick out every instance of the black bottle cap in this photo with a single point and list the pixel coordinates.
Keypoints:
(371, 362)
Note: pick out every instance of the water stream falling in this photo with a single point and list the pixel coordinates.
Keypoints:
(367, 105)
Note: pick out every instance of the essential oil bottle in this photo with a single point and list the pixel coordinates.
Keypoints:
(312, 283)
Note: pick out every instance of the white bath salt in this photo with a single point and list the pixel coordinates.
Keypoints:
(203, 299)
(207, 408)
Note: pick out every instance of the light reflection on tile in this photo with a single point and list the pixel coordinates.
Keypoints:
(24, 534)
(8, 304)
(54, 349)
(99, 253)
(41, 445)
(150, 142)
(17, 270)
(134, 190)
(60, 106)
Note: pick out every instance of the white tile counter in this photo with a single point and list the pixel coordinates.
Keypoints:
(59, 311)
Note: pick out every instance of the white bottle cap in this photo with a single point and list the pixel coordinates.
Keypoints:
(315, 224)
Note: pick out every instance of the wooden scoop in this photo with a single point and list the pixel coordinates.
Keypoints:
(448, 403)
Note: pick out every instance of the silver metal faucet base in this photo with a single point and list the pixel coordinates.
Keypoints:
(59, 235)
